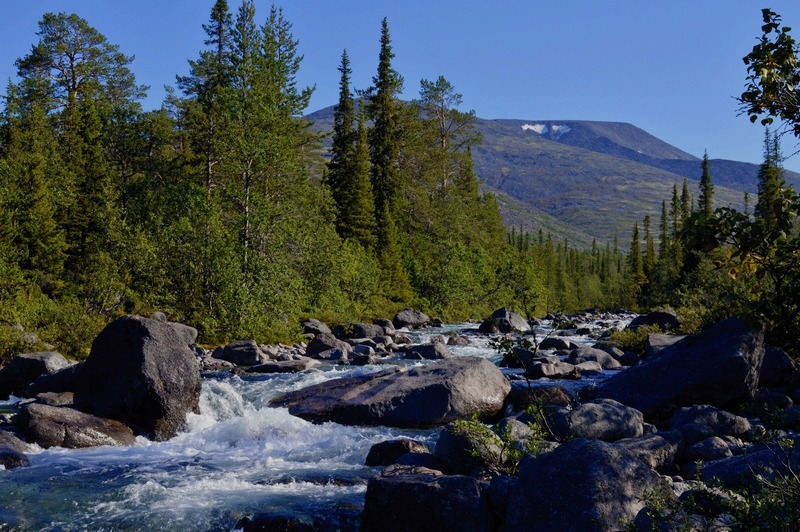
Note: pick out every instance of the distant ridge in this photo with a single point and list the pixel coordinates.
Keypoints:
(584, 180)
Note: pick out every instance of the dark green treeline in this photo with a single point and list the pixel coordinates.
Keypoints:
(218, 208)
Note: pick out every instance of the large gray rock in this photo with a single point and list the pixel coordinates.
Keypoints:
(416, 503)
(324, 343)
(666, 321)
(434, 394)
(24, 369)
(11, 459)
(658, 451)
(603, 419)
(188, 334)
(722, 423)
(140, 372)
(657, 342)
(387, 452)
(504, 321)
(11, 441)
(555, 342)
(437, 351)
(357, 330)
(746, 470)
(242, 353)
(285, 366)
(590, 354)
(51, 426)
(463, 451)
(553, 370)
(581, 485)
(314, 326)
(63, 380)
(717, 366)
(777, 368)
(410, 318)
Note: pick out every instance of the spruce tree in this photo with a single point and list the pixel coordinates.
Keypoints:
(769, 206)
(635, 262)
(383, 137)
(357, 217)
(664, 238)
(650, 249)
(706, 199)
(342, 165)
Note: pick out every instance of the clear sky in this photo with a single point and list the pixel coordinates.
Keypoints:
(671, 67)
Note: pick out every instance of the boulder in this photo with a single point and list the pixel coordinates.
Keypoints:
(324, 343)
(555, 342)
(744, 471)
(434, 394)
(437, 351)
(242, 353)
(9, 440)
(11, 459)
(410, 318)
(387, 325)
(504, 321)
(602, 419)
(63, 380)
(51, 426)
(666, 321)
(188, 334)
(140, 372)
(387, 452)
(56, 399)
(657, 342)
(722, 423)
(285, 366)
(357, 330)
(713, 448)
(463, 452)
(553, 370)
(457, 340)
(581, 485)
(776, 368)
(425, 502)
(715, 367)
(764, 404)
(24, 369)
(313, 326)
(657, 451)
(590, 354)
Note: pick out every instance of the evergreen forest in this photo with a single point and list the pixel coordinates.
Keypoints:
(220, 209)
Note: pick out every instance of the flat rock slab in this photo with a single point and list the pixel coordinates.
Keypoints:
(435, 394)
(51, 426)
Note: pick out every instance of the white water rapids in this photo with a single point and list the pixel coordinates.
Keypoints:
(237, 458)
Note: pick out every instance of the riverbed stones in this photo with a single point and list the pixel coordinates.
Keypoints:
(602, 419)
(659, 451)
(583, 484)
(242, 353)
(387, 452)
(140, 372)
(314, 326)
(426, 502)
(25, 368)
(434, 394)
(11, 459)
(50, 426)
(436, 351)
(325, 345)
(714, 367)
(664, 320)
(504, 321)
(410, 318)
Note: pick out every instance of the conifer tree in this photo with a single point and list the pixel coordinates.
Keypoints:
(357, 217)
(383, 137)
(342, 164)
(769, 206)
(706, 199)
(664, 237)
(635, 262)
(649, 264)
(687, 204)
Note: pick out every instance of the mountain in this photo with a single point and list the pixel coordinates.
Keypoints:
(582, 180)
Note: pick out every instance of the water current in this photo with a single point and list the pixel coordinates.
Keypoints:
(237, 458)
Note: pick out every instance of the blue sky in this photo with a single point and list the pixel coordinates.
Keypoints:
(672, 67)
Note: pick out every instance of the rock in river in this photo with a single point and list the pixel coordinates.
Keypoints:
(140, 372)
(435, 394)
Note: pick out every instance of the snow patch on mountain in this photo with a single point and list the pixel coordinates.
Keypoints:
(539, 129)
(555, 130)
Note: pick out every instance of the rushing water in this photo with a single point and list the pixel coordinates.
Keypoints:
(237, 457)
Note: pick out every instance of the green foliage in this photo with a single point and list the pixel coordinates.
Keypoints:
(630, 340)
(496, 447)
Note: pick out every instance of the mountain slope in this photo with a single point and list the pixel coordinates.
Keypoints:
(582, 180)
